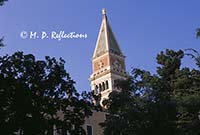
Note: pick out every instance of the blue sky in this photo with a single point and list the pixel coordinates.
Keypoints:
(143, 28)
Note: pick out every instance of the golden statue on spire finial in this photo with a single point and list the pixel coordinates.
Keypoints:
(104, 11)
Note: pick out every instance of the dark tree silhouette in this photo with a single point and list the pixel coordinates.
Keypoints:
(36, 95)
(166, 103)
(1, 43)
(198, 33)
(2, 2)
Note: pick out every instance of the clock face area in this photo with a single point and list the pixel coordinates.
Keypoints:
(106, 60)
(100, 63)
(116, 64)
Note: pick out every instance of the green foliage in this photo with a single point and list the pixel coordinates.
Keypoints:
(1, 43)
(2, 2)
(195, 55)
(36, 94)
(164, 103)
(198, 33)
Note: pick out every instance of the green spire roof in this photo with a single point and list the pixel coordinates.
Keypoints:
(106, 41)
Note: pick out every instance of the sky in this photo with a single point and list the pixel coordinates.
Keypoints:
(143, 28)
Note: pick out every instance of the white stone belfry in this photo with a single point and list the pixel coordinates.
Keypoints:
(108, 62)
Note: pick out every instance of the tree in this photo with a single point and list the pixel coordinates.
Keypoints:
(198, 33)
(2, 2)
(164, 103)
(1, 39)
(1, 42)
(195, 55)
(36, 95)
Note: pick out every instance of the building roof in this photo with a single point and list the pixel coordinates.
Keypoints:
(106, 41)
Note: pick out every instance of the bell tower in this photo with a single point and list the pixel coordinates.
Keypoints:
(108, 61)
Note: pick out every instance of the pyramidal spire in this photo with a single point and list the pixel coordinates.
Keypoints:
(106, 41)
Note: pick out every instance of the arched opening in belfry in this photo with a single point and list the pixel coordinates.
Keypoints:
(107, 86)
(104, 87)
(96, 89)
(100, 87)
